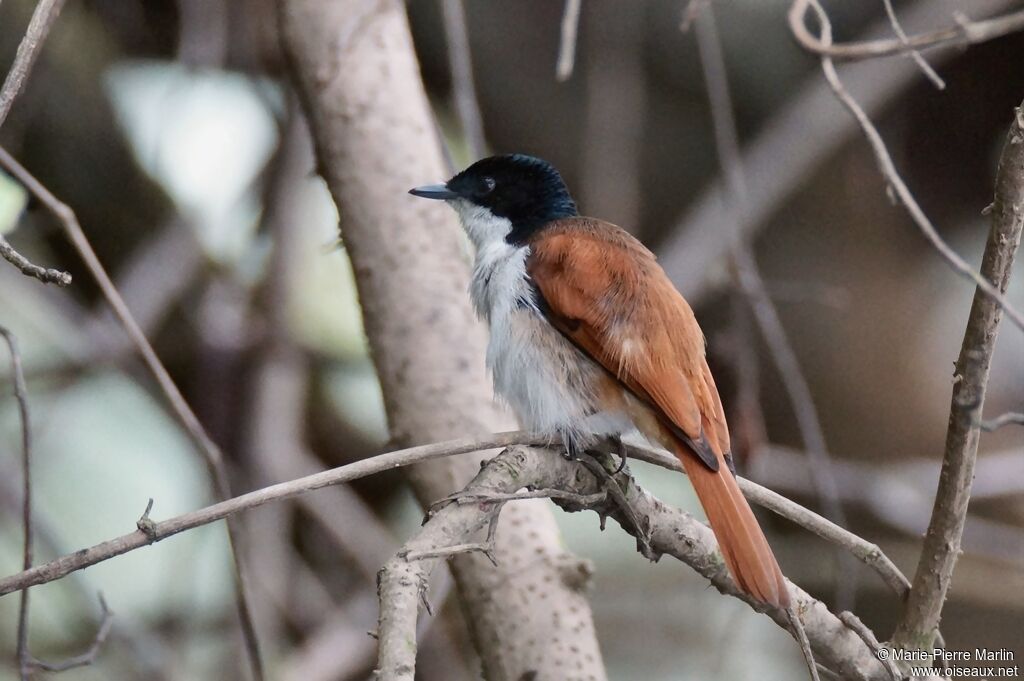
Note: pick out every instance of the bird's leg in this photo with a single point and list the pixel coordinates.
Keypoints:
(620, 449)
(573, 449)
(641, 529)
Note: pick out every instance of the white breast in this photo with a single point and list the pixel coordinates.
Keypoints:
(548, 383)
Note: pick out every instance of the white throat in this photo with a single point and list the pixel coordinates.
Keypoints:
(499, 271)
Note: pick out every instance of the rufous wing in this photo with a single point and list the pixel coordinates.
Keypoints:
(606, 293)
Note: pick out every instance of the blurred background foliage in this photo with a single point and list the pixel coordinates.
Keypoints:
(170, 128)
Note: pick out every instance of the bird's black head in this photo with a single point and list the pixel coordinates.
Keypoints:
(526, 191)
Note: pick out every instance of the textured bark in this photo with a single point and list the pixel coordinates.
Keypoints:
(356, 71)
(672, 532)
(941, 549)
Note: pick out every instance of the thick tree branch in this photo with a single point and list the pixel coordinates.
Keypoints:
(670, 531)
(355, 69)
(945, 531)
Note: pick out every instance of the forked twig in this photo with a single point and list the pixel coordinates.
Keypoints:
(210, 451)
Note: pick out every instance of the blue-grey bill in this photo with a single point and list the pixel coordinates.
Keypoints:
(433, 191)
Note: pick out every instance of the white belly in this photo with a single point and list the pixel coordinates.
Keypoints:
(549, 384)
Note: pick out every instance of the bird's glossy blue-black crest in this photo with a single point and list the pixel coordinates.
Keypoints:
(526, 190)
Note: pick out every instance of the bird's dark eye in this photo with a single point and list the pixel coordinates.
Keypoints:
(486, 186)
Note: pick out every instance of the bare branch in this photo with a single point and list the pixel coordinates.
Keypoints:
(869, 638)
(964, 33)
(897, 28)
(806, 132)
(867, 552)
(411, 273)
(567, 46)
(460, 63)
(28, 49)
(748, 280)
(21, 395)
(672, 532)
(945, 530)
(158, 531)
(888, 168)
(998, 422)
(210, 451)
(43, 274)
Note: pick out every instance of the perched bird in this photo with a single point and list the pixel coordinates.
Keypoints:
(589, 339)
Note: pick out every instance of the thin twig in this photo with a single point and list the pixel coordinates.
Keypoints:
(44, 274)
(964, 33)
(158, 531)
(800, 634)
(998, 422)
(869, 638)
(567, 46)
(806, 132)
(210, 451)
(21, 395)
(28, 49)
(748, 279)
(89, 656)
(897, 28)
(460, 63)
(888, 168)
(945, 529)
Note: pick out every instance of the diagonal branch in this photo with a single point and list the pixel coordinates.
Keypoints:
(150, 532)
(945, 530)
(43, 17)
(207, 447)
(897, 28)
(888, 168)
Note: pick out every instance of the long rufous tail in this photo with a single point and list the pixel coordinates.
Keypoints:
(743, 544)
